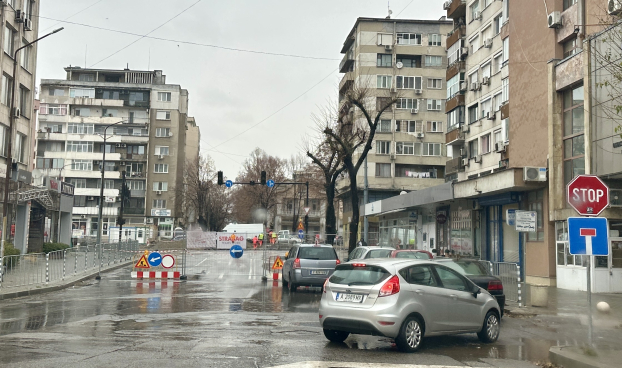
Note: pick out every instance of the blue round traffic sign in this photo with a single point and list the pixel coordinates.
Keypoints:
(270, 183)
(236, 251)
(154, 259)
(228, 183)
(301, 234)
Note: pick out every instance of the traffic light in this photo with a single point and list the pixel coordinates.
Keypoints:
(220, 178)
(120, 221)
(252, 182)
(263, 178)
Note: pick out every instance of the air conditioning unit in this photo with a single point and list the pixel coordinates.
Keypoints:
(490, 115)
(555, 19)
(464, 51)
(393, 156)
(121, 145)
(19, 16)
(499, 147)
(465, 162)
(474, 86)
(463, 86)
(170, 134)
(158, 192)
(393, 90)
(149, 220)
(388, 47)
(463, 152)
(90, 198)
(17, 112)
(478, 158)
(534, 173)
(477, 15)
(614, 7)
(419, 135)
(465, 128)
(615, 196)
(160, 156)
(486, 81)
(488, 43)
(418, 91)
(414, 111)
(27, 25)
(446, 5)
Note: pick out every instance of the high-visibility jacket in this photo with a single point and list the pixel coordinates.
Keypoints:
(261, 236)
(274, 235)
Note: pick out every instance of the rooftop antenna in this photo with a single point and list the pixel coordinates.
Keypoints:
(389, 9)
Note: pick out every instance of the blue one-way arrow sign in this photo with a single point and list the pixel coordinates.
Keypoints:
(588, 236)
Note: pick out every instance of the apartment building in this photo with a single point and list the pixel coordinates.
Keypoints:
(405, 57)
(20, 26)
(144, 120)
(193, 146)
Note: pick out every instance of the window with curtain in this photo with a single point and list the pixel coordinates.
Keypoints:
(573, 140)
(383, 170)
(535, 202)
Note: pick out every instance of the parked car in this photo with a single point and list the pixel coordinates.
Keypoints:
(288, 239)
(309, 265)
(411, 253)
(405, 300)
(367, 252)
(477, 272)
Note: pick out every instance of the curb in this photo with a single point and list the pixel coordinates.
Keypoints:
(570, 359)
(19, 294)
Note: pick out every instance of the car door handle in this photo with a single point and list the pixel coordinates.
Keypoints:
(420, 292)
(453, 296)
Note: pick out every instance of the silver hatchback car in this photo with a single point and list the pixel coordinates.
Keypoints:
(405, 300)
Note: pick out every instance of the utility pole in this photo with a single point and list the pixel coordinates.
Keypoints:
(307, 215)
(365, 200)
(120, 220)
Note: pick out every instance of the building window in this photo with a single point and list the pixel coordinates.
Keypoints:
(79, 183)
(159, 203)
(110, 113)
(76, 128)
(79, 146)
(571, 47)
(164, 96)
(498, 23)
(473, 148)
(163, 115)
(25, 55)
(163, 132)
(160, 185)
(485, 143)
(486, 107)
(7, 83)
(434, 105)
(24, 101)
(535, 201)
(406, 103)
(161, 168)
(414, 126)
(434, 39)
(453, 85)
(384, 60)
(383, 170)
(497, 137)
(473, 117)
(455, 118)
(574, 145)
(486, 70)
(474, 10)
(505, 128)
(453, 53)
(431, 149)
(20, 147)
(474, 44)
(56, 109)
(82, 165)
(384, 81)
(136, 150)
(506, 50)
(569, 3)
(9, 40)
(108, 184)
(403, 82)
(86, 77)
(82, 92)
(409, 39)
(384, 126)
(161, 150)
(497, 101)
(435, 126)
(56, 92)
(405, 148)
(136, 185)
(409, 61)
(82, 111)
(497, 63)
(505, 90)
(435, 83)
(487, 3)
(383, 147)
(433, 60)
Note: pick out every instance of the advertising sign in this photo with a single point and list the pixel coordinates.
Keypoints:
(67, 189)
(526, 221)
(161, 213)
(227, 240)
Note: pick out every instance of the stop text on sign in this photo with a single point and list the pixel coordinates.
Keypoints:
(588, 195)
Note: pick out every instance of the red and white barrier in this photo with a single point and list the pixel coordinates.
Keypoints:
(156, 275)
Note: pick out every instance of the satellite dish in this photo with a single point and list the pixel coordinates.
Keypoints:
(399, 65)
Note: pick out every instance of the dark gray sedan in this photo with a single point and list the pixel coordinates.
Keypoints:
(308, 265)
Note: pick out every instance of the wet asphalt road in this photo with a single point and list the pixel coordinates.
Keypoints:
(216, 320)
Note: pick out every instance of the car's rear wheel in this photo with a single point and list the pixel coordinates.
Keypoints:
(283, 282)
(411, 335)
(490, 330)
(292, 285)
(336, 336)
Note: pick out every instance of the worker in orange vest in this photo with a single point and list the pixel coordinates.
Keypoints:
(255, 242)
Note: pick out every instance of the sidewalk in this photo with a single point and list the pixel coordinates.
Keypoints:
(567, 316)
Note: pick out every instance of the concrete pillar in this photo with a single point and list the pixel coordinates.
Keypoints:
(65, 228)
(556, 152)
(21, 228)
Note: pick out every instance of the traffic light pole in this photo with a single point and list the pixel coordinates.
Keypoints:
(120, 220)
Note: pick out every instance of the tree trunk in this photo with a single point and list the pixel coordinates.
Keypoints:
(354, 199)
(331, 219)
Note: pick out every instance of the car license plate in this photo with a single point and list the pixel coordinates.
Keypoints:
(353, 298)
(319, 272)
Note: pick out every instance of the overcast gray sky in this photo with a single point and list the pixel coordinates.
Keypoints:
(230, 91)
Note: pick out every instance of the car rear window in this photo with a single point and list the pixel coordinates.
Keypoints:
(319, 253)
(413, 255)
(467, 267)
(378, 253)
(366, 275)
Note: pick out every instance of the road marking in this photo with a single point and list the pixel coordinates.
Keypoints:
(250, 293)
(221, 275)
(198, 264)
(357, 365)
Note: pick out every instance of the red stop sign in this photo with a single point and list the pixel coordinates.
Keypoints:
(588, 195)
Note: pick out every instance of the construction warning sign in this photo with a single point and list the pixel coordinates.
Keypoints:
(278, 264)
(301, 226)
(142, 262)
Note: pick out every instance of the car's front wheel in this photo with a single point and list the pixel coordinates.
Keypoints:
(411, 335)
(490, 330)
(336, 336)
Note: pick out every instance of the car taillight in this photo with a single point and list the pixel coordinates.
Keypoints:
(324, 287)
(390, 287)
(358, 265)
(495, 286)
(297, 263)
(338, 262)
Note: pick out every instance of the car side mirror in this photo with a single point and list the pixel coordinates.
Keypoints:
(476, 290)
(347, 259)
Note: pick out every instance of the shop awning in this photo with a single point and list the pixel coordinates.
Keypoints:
(436, 194)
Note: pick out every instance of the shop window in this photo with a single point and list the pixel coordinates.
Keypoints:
(535, 202)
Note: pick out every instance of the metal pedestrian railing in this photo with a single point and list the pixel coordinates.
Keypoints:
(33, 270)
(509, 273)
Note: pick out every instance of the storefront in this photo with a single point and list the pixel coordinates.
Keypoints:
(400, 230)
(500, 241)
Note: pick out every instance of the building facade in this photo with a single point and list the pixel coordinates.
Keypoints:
(144, 120)
(404, 58)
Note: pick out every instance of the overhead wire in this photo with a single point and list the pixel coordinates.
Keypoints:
(71, 16)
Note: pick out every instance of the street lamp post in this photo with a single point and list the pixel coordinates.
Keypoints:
(101, 198)
(9, 158)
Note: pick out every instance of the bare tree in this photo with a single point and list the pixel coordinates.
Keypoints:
(351, 136)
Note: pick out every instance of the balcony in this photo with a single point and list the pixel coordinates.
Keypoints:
(454, 69)
(347, 62)
(94, 192)
(136, 193)
(133, 211)
(133, 157)
(454, 166)
(346, 83)
(455, 35)
(455, 138)
(106, 211)
(457, 100)
(456, 9)
(85, 101)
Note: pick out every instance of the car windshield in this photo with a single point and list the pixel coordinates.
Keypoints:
(366, 275)
(320, 253)
(414, 255)
(467, 267)
(378, 253)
